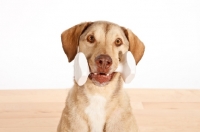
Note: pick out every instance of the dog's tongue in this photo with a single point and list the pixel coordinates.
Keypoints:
(101, 78)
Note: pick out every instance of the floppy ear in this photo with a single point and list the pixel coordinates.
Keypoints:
(70, 39)
(135, 45)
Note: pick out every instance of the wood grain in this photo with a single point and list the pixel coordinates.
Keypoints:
(155, 110)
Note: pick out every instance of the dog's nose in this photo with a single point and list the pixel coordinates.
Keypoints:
(103, 61)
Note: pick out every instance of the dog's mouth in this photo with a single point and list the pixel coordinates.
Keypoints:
(101, 79)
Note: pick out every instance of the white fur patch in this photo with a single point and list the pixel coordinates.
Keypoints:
(96, 113)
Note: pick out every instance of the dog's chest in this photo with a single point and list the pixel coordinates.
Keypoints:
(96, 112)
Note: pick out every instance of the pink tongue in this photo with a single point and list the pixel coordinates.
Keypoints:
(102, 78)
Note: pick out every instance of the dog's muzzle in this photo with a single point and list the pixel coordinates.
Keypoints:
(102, 76)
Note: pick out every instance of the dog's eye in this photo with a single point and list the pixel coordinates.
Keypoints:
(90, 38)
(118, 42)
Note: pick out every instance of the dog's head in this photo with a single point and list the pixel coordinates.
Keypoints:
(103, 44)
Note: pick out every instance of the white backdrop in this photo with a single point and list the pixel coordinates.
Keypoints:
(31, 55)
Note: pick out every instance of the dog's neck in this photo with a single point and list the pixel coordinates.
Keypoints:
(96, 100)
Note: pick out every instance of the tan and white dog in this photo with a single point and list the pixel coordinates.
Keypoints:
(101, 104)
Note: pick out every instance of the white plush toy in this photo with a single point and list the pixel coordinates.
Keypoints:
(127, 68)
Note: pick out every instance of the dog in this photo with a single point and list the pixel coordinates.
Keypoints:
(101, 104)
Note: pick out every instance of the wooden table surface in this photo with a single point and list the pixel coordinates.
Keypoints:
(155, 110)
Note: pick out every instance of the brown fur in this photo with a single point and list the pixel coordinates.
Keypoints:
(93, 108)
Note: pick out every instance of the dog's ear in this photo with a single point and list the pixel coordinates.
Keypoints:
(70, 39)
(135, 45)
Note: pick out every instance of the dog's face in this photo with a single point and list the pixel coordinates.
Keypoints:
(103, 44)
